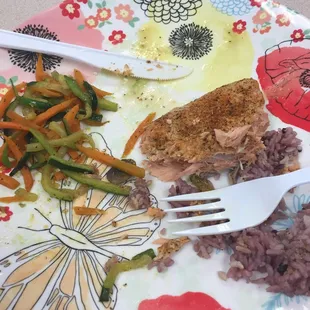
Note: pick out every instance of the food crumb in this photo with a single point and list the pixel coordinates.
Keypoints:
(114, 224)
(163, 231)
(127, 71)
(222, 275)
(159, 66)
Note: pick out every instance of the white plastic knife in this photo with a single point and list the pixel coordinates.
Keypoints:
(117, 63)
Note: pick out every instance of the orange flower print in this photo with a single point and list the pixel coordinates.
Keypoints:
(103, 14)
(91, 22)
(5, 214)
(124, 13)
(283, 20)
(261, 17)
(265, 29)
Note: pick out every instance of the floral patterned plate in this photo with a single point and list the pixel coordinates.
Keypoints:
(51, 259)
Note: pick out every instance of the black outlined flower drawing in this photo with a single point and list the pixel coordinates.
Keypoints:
(191, 41)
(167, 11)
(27, 60)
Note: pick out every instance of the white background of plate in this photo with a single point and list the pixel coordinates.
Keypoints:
(14, 12)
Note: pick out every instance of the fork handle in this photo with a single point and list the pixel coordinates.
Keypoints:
(14, 40)
(299, 177)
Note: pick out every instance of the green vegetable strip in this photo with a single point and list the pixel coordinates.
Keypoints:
(48, 186)
(41, 104)
(38, 165)
(77, 91)
(5, 157)
(68, 141)
(43, 141)
(11, 107)
(121, 267)
(67, 127)
(98, 184)
(149, 252)
(70, 165)
(105, 104)
(92, 95)
(22, 162)
(57, 128)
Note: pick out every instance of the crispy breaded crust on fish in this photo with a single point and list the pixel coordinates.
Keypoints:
(212, 133)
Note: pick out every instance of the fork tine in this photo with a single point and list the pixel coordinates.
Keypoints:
(209, 230)
(201, 218)
(205, 207)
(195, 196)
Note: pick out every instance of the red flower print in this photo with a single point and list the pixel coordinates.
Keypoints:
(284, 75)
(265, 29)
(298, 35)
(83, 1)
(257, 3)
(124, 13)
(91, 22)
(3, 89)
(261, 17)
(5, 214)
(70, 9)
(239, 26)
(117, 37)
(283, 20)
(103, 14)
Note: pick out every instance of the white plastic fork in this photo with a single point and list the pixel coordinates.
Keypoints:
(245, 204)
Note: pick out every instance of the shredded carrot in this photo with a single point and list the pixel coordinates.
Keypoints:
(8, 181)
(28, 179)
(137, 133)
(20, 195)
(112, 161)
(8, 97)
(2, 149)
(100, 93)
(94, 123)
(87, 211)
(40, 74)
(73, 154)
(76, 125)
(79, 78)
(80, 159)
(43, 117)
(24, 122)
(46, 92)
(12, 199)
(12, 125)
(51, 135)
(59, 176)
(70, 116)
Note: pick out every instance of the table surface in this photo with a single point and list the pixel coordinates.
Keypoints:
(13, 12)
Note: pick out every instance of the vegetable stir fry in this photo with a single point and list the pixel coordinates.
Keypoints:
(43, 131)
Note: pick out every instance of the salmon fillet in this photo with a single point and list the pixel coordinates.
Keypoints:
(214, 132)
